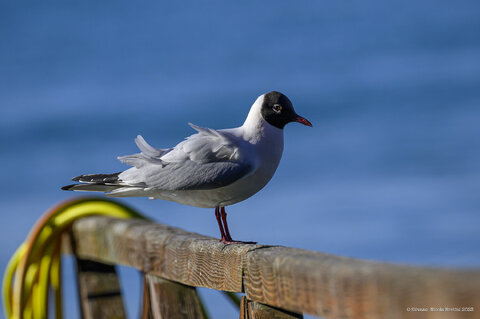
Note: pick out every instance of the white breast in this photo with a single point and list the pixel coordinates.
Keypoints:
(268, 148)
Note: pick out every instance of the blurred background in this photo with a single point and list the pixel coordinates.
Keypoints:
(390, 170)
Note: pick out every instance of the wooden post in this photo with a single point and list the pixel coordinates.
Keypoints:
(146, 311)
(255, 310)
(99, 291)
(171, 300)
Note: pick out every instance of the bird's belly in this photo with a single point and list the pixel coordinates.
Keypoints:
(222, 196)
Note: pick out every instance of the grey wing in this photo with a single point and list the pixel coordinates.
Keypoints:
(191, 175)
(206, 160)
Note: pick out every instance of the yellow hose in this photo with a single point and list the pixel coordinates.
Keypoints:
(35, 267)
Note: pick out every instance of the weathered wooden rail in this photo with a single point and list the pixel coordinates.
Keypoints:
(278, 282)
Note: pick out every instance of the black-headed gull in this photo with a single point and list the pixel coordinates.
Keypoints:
(212, 168)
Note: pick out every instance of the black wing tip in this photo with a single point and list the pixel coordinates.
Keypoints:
(69, 187)
(97, 178)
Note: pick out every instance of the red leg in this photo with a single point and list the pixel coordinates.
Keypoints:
(217, 215)
(224, 220)
(228, 239)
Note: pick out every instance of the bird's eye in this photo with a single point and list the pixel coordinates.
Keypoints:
(277, 108)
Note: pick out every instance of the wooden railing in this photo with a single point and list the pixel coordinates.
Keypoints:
(278, 282)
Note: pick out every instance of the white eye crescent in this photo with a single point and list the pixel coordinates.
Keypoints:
(277, 108)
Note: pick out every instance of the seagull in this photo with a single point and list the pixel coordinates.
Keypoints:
(210, 169)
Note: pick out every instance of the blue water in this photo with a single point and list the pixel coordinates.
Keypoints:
(390, 170)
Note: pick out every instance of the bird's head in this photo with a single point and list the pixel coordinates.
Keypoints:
(278, 110)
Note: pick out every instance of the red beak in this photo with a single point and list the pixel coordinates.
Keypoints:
(303, 121)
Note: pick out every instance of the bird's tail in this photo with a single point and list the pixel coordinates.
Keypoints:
(96, 183)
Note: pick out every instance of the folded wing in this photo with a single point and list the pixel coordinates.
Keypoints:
(206, 160)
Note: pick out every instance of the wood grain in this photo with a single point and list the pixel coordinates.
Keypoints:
(99, 291)
(254, 310)
(171, 300)
(167, 252)
(293, 279)
(98, 286)
(337, 287)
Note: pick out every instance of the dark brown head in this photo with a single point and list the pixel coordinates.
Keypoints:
(278, 110)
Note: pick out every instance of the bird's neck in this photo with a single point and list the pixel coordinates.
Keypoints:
(256, 129)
